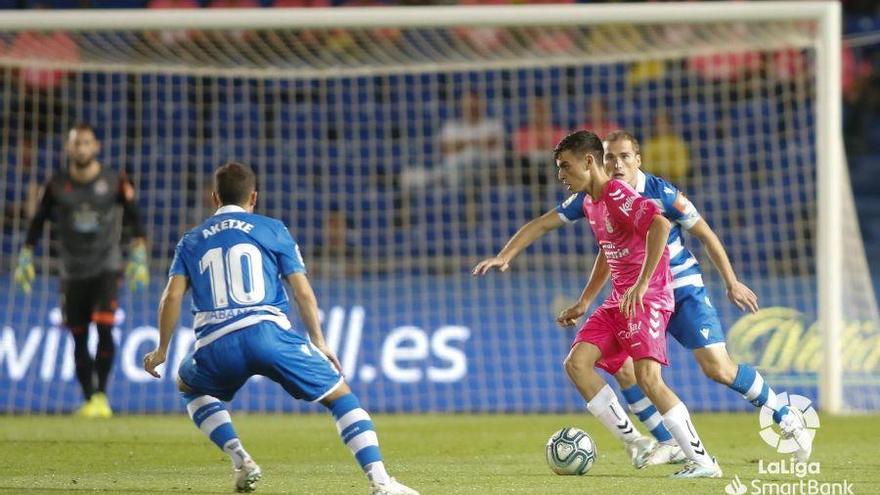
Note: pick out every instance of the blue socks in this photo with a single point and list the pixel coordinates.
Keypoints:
(754, 389)
(356, 430)
(647, 413)
(211, 416)
(352, 422)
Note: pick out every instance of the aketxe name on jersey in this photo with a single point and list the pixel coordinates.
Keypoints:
(227, 224)
(675, 206)
(235, 262)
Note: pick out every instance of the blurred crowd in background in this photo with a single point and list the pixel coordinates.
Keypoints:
(470, 136)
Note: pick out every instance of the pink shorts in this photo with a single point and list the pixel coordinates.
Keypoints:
(641, 336)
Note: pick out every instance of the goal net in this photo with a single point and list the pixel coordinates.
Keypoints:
(403, 145)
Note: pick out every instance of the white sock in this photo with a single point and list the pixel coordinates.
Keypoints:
(678, 422)
(376, 472)
(607, 409)
(236, 452)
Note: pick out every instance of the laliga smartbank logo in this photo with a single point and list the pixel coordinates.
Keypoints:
(774, 439)
(802, 484)
(803, 473)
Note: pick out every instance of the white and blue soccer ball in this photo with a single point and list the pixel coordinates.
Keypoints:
(570, 451)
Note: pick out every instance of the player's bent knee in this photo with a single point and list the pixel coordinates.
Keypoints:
(342, 390)
(578, 363)
(571, 367)
(648, 377)
(649, 382)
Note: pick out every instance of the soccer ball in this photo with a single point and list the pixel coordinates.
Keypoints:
(570, 451)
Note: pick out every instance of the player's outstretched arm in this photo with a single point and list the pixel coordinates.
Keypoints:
(43, 213)
(524, 237)
(169, 312)
(658, 233)
(136, 271)
(308, 311)
(738, 292)
(24, 270)
(598, 278)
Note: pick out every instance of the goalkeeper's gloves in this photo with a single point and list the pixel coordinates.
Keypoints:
(24, 271)
(136, 272)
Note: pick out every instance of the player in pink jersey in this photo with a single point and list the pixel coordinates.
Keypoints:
(632, 233)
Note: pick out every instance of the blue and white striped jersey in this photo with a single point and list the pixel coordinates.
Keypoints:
(675, 207)
(235, 262)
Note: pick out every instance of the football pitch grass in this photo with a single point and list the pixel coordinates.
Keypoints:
(436, 454)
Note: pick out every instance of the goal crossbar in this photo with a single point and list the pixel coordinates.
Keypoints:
(415, 17)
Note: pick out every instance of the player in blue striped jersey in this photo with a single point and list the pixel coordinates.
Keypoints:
(236, 263)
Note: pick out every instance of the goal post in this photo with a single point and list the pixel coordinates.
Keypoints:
(831, 173)
(342, 112)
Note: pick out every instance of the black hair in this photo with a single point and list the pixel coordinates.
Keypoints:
(580, 143)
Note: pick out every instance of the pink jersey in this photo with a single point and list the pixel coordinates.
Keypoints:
(620, 219)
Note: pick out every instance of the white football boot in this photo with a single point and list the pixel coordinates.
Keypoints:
(793, 426)
(666, 453)
(393, 487)
(693, 470)
(247, 476)
(640, 450)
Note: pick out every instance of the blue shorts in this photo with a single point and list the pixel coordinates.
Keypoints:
(695, 323)
(220, 368)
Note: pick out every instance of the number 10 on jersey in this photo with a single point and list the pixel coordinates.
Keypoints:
(238, 275)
